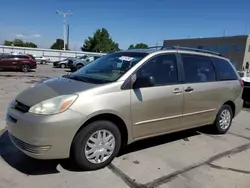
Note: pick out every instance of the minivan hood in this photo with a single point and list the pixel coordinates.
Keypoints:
(52, 88)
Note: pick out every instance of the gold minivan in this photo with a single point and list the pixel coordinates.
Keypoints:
(123, 97)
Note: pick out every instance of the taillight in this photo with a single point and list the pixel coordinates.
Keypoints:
(241, 83)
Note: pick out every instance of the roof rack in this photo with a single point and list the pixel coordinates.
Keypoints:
(155, 47)
(191, 49)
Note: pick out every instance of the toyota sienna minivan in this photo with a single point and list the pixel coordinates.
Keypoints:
(123, 97)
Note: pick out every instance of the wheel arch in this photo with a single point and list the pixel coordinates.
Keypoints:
(118, 121)
(232, 105)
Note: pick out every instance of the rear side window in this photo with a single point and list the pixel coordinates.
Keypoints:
(198, 68)
(224, 70)
(7, 56)
(22, 57)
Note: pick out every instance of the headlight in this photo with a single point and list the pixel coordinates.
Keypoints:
(54, 105)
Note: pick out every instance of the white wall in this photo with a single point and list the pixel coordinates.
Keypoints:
(54, 55)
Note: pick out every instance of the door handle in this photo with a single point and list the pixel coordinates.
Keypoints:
(177, 90)
(189, 89)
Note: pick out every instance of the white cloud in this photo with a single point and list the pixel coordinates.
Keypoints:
(28, 36)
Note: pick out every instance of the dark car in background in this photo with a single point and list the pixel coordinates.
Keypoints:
(76, 63)
(17, 62)
(61, 63)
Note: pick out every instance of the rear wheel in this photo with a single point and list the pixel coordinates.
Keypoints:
(223, 119)
(63, 66)
(96, 145)
(79, 66)
(43, 62)
(25, 68)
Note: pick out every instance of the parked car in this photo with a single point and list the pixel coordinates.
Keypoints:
(17, 62)
(31, 56)
(76, 63)
(61, 64)
(123, 97)
(82, 57)
(42, 59)
(245, 76)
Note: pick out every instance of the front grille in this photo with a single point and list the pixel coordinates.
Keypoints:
(28, 147)
(21, 107)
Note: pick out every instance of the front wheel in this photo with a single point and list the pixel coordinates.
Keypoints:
(79, 66)
(96, 145)
(223, 119)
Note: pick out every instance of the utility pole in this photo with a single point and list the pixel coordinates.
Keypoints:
(64, 25)
(68, 36)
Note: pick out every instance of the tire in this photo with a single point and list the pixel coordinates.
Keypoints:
(63, 66)
(43, 62)
(25, 68)
(228, 114)
(80, 145)
(79, 66)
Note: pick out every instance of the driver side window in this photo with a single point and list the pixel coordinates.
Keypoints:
(163, 68)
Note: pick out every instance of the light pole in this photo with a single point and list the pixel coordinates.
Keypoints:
(64, 14)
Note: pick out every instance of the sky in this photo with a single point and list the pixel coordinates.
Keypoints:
(128, 21)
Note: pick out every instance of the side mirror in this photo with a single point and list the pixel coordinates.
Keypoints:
(144, 81)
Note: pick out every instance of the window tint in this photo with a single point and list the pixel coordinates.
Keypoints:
(198, 68)
(216, 48)
(21, 57)
(224, 70)
(163, 68)
(7, 56)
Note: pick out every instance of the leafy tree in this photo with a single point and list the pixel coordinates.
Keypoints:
(30, 45)
(20, 43)
(131, 47)
(138, 46)
(100, 42)
(58, 45)
(8, 43)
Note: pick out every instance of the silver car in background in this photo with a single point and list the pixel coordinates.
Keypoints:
(42, 59)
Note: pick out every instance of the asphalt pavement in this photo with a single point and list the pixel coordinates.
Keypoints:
(193, 159)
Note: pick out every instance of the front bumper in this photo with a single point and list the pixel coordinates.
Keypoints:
(41, 136)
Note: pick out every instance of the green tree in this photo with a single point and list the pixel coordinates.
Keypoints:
(58, 45)
(131, 47)
(20, 43)
(138, 46)
(8, 43)
(30, 45)
(100, 42)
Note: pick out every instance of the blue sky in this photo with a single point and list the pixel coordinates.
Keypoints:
(128, 21)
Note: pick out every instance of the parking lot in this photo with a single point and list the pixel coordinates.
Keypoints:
(194, 158)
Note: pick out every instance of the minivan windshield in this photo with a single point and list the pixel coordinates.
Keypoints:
(108, 68)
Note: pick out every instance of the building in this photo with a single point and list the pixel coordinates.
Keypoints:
(236, 48)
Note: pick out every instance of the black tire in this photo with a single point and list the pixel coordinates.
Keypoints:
(63, 66)
(25, 68)
(81, 139)
(219, 128)
(79, 66)
(43, 62)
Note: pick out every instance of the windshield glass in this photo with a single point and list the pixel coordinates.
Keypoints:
(108, 68)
